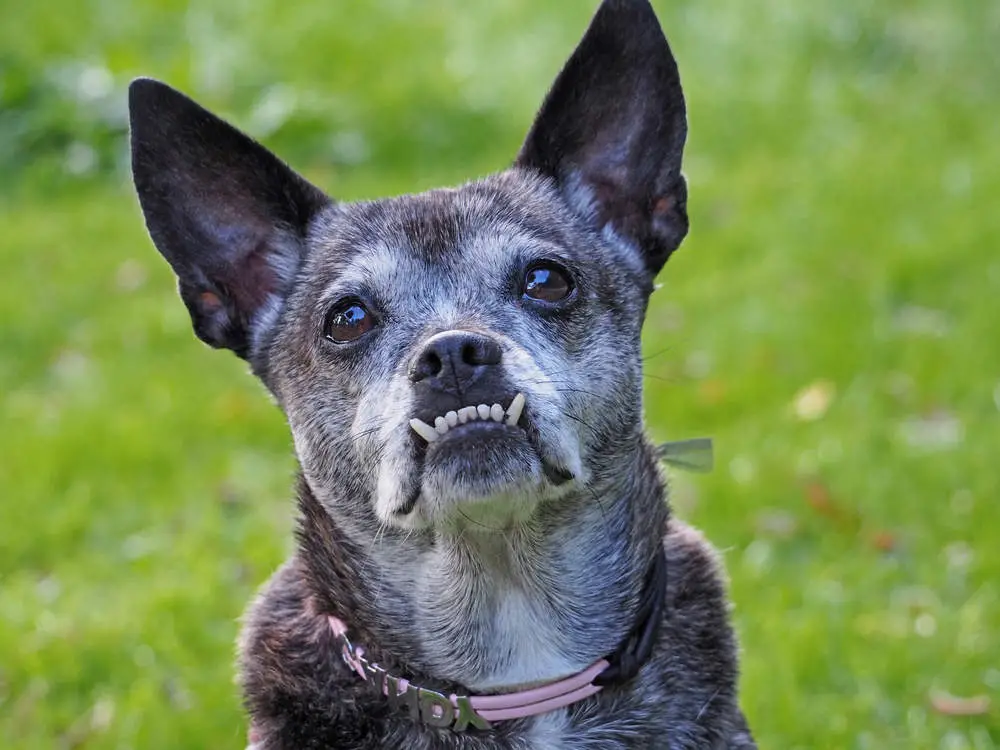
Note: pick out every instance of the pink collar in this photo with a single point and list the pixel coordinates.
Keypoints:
(459, 712)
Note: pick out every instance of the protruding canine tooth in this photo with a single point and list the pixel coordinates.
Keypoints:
(496, 413)
(484, 411)
(452, 418)
(468, 414)
(515, 409)
(441, 425)
(425, 431)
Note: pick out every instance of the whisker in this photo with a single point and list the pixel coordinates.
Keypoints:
(582, 421)
(362, 434)
(476, 523)
(379, 535)
(604, 514)
(708, 703)
(665, 378)
(658, 353)
(369, 558)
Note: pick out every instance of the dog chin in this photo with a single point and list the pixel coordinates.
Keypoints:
(492, 481)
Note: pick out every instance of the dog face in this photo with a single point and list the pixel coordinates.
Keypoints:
(468, 349)
(454, 357)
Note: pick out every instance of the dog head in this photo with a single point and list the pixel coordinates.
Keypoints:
(458, 356)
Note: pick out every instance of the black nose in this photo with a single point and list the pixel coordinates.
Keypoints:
(456, 358)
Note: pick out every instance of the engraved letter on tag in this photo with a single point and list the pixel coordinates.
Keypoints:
(467, 716)
(435, 709)
(408, 696)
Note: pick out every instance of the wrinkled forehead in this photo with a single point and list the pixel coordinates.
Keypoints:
(445, 241)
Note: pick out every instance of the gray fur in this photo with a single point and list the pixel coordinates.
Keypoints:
(498, 563)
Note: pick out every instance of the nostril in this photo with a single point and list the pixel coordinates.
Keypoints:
(428, 365)
(469, 354)
(481, 351)
(433, 363)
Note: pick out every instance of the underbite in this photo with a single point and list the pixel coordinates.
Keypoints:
(480, 413)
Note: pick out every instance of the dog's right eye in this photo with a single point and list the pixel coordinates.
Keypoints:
(348, 321)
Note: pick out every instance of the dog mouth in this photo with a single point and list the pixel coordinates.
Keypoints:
(457, 419)
(482, 444)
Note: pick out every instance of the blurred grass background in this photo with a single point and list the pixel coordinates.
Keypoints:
(831, 321)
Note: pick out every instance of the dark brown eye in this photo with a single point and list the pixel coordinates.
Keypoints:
(547, 283)
(348, 321)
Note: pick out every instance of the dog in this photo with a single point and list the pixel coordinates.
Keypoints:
(485, 554)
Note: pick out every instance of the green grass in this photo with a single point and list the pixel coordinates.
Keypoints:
(845, 177)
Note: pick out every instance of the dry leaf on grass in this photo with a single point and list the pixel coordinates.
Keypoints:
(952, 705)
(812, 402)
(821, 500)
(884, 541)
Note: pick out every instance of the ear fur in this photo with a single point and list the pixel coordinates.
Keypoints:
(228, 215)
(612, 130)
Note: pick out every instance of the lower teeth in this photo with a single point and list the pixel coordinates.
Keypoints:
(483, 412)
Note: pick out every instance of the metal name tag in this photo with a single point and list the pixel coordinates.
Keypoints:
(427, 706)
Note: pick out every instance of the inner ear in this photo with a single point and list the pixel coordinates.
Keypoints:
(228, 215)
(612, 129)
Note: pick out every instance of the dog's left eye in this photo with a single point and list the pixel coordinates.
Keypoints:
(547, 283)
(348, 321)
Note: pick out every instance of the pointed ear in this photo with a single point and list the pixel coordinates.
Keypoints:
(611, 131)
(229, 216)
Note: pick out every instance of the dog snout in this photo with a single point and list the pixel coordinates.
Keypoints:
(455, 360)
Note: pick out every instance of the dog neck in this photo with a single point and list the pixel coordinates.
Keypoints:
(495, 611)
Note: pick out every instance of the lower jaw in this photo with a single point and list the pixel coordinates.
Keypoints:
(505, 508)
(494, 515)
(497, 480)
(492, 491)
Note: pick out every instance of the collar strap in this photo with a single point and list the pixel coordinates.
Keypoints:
(459, 712)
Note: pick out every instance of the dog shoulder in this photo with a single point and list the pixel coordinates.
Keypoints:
(282, 634)
(288, 667)
(697, 600)
(693, 562)
(700, 657)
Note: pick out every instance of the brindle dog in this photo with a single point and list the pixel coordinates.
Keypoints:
(481, 512)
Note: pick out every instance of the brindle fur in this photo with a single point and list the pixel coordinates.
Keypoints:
(494, 565)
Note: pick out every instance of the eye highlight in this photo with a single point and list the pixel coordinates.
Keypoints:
(547, 282)
(347, 321)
